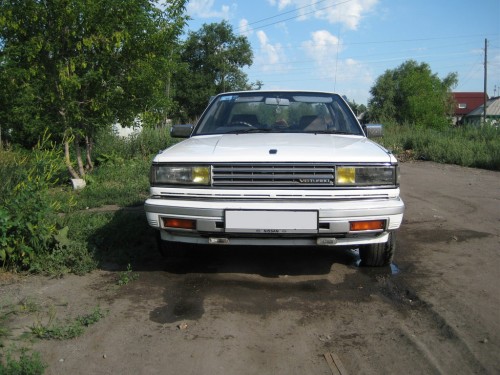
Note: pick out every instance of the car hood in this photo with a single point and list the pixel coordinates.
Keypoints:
(276, 147)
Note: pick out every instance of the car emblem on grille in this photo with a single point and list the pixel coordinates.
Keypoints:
(314, 180)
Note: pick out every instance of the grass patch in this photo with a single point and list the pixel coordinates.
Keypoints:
(8, 310)
(26, 364)
(115, 184)
(18, 361)
(54, 330)
(468, 146)
(122, 237)
(110, 184)
(4, 332)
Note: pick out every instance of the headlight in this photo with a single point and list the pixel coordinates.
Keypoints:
(366, 176)
(180, 175)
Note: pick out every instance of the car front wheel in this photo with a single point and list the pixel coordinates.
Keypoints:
(379, 254)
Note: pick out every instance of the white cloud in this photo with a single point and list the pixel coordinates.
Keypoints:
(281, 3)
(205, 9)
(325, 50)
(348, 13)
(323, 45)
(244, 29)
(269, 57)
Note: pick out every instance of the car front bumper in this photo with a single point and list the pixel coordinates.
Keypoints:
(211, 225)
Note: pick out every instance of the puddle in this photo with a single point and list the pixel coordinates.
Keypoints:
(184, 309)
(395, 269)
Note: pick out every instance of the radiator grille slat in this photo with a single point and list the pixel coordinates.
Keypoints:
(273, 175)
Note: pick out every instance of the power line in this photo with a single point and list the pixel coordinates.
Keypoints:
(294, 17)
(281, 14)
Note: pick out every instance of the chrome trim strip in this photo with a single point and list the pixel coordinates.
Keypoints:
(365, 211)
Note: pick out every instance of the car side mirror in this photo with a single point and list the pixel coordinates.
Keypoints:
(373, 130)
(181, 130)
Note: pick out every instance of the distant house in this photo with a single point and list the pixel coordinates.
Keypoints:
(492, 112)
(465, 103)
(125, 132)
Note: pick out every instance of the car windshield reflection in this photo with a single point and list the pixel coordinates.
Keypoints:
(278, 112)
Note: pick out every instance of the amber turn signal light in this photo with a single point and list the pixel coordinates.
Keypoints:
(367, 225)
(178, 223)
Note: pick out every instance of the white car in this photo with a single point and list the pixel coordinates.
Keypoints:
(288, 168)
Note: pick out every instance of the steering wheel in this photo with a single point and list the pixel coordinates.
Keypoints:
(241, 123)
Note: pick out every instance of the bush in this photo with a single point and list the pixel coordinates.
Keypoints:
(66, 256)
(111, 148)
(27, 227)
(27, 216)
(32, 198)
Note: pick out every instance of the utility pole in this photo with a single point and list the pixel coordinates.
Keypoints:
(485, 78)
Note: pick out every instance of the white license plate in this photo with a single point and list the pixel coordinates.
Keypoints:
(272, 221)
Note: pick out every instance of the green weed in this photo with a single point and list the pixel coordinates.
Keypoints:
(26, 364)
(127, 276)
(29, 306)
(54, 330)
(67, 256)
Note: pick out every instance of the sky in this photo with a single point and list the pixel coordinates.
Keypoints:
(345, 45)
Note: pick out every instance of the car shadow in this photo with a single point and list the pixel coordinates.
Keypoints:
(126, 239)
(267, 261)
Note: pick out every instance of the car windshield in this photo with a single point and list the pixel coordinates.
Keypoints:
(287, 112)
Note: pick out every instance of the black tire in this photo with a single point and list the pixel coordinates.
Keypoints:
(169, 249)
(379, 254)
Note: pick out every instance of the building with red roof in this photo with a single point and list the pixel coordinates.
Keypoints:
(465, 103)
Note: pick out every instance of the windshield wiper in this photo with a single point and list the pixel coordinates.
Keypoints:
(331, 132)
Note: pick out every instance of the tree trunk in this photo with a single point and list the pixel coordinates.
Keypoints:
(88, 152)
(79, 160)
(67, 160)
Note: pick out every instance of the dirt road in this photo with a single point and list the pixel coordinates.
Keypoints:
(280, 311)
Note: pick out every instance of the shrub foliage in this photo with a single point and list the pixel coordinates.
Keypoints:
(468, 146)
(27, 216)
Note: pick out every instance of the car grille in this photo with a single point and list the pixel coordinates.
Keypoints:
(273, 175)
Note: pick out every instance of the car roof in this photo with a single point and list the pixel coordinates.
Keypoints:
(277, 91)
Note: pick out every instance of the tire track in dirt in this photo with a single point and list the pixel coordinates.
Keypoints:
(430, 333)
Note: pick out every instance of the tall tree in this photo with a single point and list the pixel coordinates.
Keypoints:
(358, 109)
(412, 94)
(79, 65)
(214, 57)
